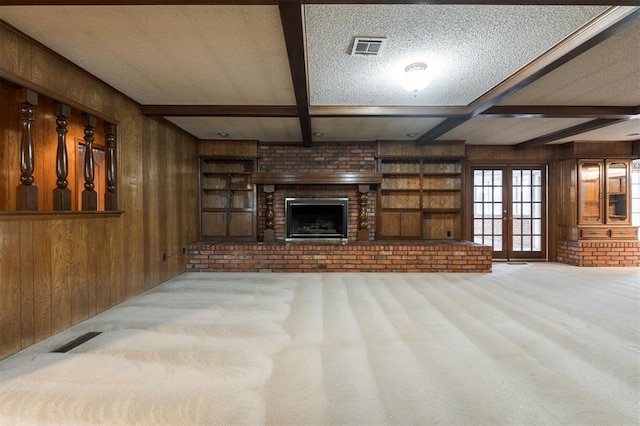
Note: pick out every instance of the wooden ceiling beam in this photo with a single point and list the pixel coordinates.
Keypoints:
(275, 2)
(292, 25)
(529, 74)
(220, 110)
(561, 111)
(571, 131)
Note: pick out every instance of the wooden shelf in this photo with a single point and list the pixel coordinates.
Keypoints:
(227, 190)
(454, 175)
(227, 209)
(396, 190)
(437, 180)
(427, 211)
(331, 178)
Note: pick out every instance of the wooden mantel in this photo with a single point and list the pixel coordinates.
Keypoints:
(363, 180)
(320, 178)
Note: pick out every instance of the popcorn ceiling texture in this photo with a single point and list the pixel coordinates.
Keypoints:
(475, 47)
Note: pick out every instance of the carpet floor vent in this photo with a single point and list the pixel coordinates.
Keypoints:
(76, 342)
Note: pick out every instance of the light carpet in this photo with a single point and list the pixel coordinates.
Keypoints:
(540, 344)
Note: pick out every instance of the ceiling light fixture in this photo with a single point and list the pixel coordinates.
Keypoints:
(317, 133)
(223, 134)
(415, 77)
(412, 135)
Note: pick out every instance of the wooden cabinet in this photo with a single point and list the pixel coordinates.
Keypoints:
(604, 208)
(420, 198)
(227, 198)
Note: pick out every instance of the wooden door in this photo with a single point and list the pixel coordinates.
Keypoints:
(509, 210)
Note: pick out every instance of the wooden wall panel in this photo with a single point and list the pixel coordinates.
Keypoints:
(26, 284)
(42, 281)
(56, 270)
(10, 317)
(61, 272)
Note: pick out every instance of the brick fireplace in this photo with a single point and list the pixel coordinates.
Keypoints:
(320, 172)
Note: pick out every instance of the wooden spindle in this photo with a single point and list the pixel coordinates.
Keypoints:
(363, 217)
(110, 202)
(62, 194)
(269, 215)
(27, 192)
(89, 195)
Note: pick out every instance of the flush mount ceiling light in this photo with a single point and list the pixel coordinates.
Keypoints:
(415, 77)
(223, 134)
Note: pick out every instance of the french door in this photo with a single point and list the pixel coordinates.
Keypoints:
(509, 210)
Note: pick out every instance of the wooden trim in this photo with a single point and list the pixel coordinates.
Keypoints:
(386, 111)
(292, 26)
(571, 131)
(356, 111)
(52, 215)
(273, 2)
(561, 111)
(333, 178)
(447, 125)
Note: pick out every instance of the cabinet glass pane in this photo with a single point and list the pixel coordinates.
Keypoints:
(616, 192)
(590, 192)
(214, 181)
(239, 182)
(215, 200)
(241, 200)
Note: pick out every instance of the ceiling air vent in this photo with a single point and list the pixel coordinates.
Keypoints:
(368, 46)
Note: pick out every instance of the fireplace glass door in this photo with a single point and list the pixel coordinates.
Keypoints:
(316, 218)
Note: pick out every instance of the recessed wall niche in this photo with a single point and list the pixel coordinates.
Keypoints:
(35, 129)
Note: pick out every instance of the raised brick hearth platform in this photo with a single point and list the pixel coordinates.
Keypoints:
(374, 256)
(599, 253)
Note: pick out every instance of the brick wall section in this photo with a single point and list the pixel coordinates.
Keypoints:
(358, 257)
(334, 157)
(319, 158)
(601, 253)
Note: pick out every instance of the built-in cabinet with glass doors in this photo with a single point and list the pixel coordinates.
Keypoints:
(604, 210)
(227, 198)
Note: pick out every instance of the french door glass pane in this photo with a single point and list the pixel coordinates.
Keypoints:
(487, 208)
(527, 210)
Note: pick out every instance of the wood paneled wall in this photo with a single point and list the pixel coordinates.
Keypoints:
(59, 269)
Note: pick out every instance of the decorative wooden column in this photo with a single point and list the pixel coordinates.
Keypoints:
(27, 192)
(110, 202)
(89, 195)
(62, 194)
(269, 215)
(363, 217)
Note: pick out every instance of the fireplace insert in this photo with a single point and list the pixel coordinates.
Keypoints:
(316, 218)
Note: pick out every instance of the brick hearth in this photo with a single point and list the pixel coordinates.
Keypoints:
(414, 256)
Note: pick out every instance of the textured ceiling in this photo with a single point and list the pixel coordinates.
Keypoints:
(479, 55)
(607, 75)
(469, 49)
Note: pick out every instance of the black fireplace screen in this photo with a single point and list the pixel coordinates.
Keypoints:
(316, 217)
